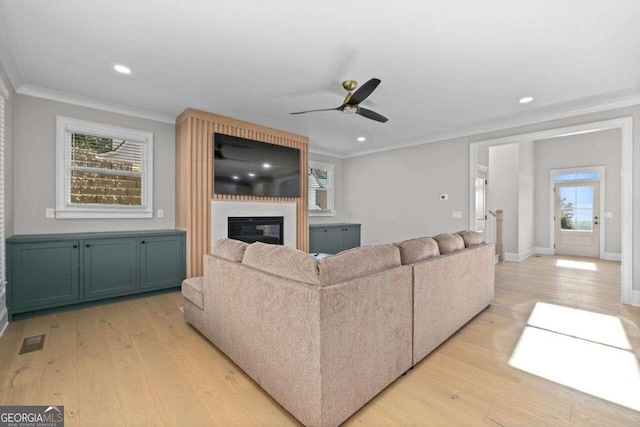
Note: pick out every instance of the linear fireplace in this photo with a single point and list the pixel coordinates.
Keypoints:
(265, 229)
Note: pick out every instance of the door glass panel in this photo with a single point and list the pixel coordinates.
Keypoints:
(480, 198)
(576, 208)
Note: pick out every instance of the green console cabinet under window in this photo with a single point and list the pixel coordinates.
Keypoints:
(333, 238)
(56, 270)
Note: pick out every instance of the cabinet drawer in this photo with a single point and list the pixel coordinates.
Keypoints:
(44, 274)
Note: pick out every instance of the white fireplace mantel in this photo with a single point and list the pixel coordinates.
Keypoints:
(222, 210)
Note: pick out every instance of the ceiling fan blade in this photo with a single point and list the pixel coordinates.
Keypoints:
(364, 92)
(313, 111)
(371, 115)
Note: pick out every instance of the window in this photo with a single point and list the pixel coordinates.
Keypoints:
(576, 176)
(103, 171)
(321, 189)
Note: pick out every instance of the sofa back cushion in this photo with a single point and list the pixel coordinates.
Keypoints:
(358, 262)
(282, 261)
(230, 249)
(418, 249)
(471, 238)
(448, 243)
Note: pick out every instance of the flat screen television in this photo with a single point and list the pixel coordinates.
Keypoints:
(246, 167)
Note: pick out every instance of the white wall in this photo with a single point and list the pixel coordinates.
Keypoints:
(395, 194)
(526, 182)
(589, 149)
(502, 191)
(338, 183)
(34, 174)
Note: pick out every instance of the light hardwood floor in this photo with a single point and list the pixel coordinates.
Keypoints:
(138, 363)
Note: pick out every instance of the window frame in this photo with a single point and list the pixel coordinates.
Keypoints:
(65, 209)
(330, 168)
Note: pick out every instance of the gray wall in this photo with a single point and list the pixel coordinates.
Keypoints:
(526, 183)
(338, 182)
(589, 149)
(502, 191)
(394, 193)
(34, 173)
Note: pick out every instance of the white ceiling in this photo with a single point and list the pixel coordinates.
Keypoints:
(445, 66)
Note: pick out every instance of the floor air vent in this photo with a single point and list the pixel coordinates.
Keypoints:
(32, 344)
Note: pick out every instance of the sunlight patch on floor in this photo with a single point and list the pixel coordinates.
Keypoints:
(593, 357)
(579, 265)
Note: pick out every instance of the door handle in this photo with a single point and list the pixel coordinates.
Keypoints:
(595, 222)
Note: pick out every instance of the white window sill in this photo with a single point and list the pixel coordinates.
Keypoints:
(322, 213)
(101, 215)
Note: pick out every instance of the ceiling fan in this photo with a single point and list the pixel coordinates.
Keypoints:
(351, 104)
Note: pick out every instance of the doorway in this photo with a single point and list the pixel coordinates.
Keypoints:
(482, 173)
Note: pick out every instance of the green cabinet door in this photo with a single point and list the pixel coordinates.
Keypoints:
(162, 261)
(318, 240)
(351, 237)
(110, 267)
(43, 275)
(334, 240)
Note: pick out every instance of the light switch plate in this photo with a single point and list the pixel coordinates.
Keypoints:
(160, 213)
(456, 214)
(608, 214)
(50, 213)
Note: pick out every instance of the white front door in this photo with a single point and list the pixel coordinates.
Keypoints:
(577, 210)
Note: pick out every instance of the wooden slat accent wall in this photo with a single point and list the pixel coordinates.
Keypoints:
(194, 178)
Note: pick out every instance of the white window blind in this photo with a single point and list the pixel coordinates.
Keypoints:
(103, 171)
(321, 191)
(3, 269)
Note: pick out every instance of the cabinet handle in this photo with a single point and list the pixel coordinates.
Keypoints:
(142, 242)
(75, 246)
(86, 246)
(325, 230)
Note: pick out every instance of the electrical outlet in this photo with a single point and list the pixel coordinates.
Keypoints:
(456, 214)
(160, 213)
(444, 197)
(50, 213)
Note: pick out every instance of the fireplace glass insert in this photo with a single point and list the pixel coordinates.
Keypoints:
(265, 229)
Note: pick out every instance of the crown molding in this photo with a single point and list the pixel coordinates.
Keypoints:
(513, 122)
(98, 104)
(326, 153)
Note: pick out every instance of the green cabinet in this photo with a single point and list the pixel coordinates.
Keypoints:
(333, 238)
(55, 270)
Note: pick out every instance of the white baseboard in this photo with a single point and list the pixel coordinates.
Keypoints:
(635, 298)
(544, 251)
(510, 256)
(4, 320)
(612, 256)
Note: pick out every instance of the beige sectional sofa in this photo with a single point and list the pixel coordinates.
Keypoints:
(323, 337)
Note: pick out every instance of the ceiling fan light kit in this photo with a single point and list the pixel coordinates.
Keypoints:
(351, 103)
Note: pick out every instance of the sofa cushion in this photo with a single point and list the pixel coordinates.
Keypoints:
(230, 249)
(283, 261)
(448, 243)
(471, 238)
(418, 249)
(358, 262)
(192, 291)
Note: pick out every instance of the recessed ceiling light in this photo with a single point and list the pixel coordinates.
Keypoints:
(266, 165)
(525, 100)
(122, 69)
(251, 174)
(361, 139)
(235, 177)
